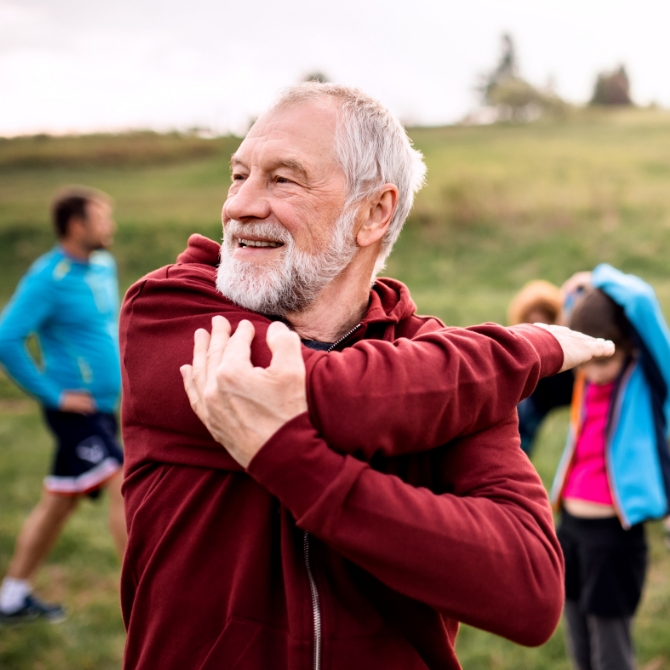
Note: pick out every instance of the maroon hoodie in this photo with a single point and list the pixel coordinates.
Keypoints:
(362, 532)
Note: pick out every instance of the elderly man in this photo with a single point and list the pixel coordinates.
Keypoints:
(352, 508)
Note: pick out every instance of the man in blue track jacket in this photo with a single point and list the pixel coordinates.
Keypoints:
(69, 301)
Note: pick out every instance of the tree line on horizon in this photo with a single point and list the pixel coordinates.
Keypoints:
(506, 96)
(513, 98)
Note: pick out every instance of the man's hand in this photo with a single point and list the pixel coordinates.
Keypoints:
(577, 347)
(78, 402)
(242, 406)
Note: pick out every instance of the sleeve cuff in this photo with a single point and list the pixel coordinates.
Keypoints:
(546, 345)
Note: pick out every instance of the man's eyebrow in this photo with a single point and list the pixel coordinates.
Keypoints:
(292, 164)
(289, 163)
(235, 160)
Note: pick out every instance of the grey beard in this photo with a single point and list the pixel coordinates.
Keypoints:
(294, 280)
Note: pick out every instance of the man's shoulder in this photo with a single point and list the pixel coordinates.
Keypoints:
(391, 302)
(177, 278)
(49, 268)
(104, 260)
(183, 291)
(195, 267)
(426, 322)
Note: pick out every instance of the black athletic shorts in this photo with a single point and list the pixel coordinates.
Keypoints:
(605, 565)
(87, 452)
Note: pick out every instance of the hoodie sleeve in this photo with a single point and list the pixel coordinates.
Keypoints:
(414, 394)
(482, 550)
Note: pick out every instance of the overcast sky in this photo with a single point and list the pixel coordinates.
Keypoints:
(78, 65)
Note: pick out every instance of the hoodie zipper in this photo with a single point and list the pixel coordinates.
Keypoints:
(316, 602)
(344, 337)
(316, 605)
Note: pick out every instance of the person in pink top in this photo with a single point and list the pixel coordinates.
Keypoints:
(616, 451)
(587, 479)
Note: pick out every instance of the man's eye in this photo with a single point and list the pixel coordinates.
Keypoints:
(236, 176)
(282, 180)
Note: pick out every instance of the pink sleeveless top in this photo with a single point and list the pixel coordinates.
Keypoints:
(587, 478)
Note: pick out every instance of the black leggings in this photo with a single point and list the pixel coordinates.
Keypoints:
(605, 567)
(598, 643)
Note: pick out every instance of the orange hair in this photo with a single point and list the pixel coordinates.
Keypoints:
(535, 295)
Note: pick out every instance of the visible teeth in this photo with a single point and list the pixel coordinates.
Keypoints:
(259, 243)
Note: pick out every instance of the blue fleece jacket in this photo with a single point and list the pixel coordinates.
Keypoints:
(638, 461)
(72, 308)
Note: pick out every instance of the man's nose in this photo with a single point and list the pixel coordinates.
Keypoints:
(248, 201)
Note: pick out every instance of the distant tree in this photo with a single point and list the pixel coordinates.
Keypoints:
(514, 98)
(506, 69)
(612, 88)
(517, 100)
(317, 75)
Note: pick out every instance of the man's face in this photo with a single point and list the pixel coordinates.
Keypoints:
(99, 226)
(284, 216)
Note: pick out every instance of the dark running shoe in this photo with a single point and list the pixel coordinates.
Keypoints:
(34, 608)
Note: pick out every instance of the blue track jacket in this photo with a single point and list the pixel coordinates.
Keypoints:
(72, 307)
(638, 461)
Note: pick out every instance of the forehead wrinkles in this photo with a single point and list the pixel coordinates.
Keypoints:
(305, 134)
(275, 154)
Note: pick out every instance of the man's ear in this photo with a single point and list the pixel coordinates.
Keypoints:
(76, 228)
(377, 215)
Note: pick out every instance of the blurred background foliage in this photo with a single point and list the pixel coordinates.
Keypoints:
(504, 204)
(612, 88)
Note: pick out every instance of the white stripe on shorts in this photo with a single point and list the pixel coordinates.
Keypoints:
(86, 481)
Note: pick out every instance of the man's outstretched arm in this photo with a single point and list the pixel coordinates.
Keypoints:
(486, 369)
(415, 394)
(242, 404)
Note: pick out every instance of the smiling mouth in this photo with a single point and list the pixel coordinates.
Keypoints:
(243, 243)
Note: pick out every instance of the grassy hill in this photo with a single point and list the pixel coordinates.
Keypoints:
(503, 205)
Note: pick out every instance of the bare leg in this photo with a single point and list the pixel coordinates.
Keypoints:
(39, 533)
(117, 515)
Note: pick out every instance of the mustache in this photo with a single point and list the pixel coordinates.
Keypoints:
(270, 231)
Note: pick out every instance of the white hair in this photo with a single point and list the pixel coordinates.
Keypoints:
(372, 148)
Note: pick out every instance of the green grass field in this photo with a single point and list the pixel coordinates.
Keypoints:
(503, 205)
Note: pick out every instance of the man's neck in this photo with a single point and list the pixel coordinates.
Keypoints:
(339, 307)
(74, 249)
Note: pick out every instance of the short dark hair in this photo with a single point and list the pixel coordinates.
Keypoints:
(597, 315)
(71, 202)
